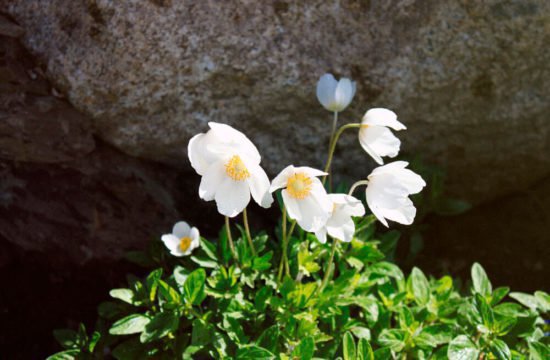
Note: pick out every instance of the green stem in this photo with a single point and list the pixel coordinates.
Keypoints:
(283, 256)
(356, 185)
(230, 239)
(290, 231)
(329, 265)
(247, 229)
(333, 145)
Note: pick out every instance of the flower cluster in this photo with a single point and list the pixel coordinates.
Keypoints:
(229, 165)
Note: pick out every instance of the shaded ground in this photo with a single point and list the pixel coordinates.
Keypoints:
(510, 237)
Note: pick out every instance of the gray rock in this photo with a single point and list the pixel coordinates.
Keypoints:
(469, 79)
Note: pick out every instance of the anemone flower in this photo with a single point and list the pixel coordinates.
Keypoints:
(182, 240)
(229, 164)
(304, 196)
(376, 138)
(335, 95)
(388, 189)
(340, 225)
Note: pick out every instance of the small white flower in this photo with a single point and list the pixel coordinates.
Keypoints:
(305, 198)
(182, 240)
(340, 225)
(229, 164)
(335, 95)
(376, 138)
(388, 190)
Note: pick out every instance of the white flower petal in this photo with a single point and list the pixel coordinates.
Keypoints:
(198, 154)
(321, 235)
(211, 180)
(171, 242)
(232, 141)
(232, 197)
(194, 234)
(315, 211)
(382, 117)
(280, 180)
(181, 229)
(292, 206)
(379, 141)
(403, 215)
(390, 168)
(341, 226)
(309, 171)
(326, 88)
(344, 93)
(259, 186)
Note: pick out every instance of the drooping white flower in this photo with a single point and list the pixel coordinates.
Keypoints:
(305, 198)
(340, 225)
(335, 95)
(376, 138)
(183, 239)
(388, 189)
(229, 164)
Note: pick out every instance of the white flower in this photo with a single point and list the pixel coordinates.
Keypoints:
(388, 189)
(340, 225)
(376, 138)
(182, 240)
(305, 198)
(335, 95)
(229, 164)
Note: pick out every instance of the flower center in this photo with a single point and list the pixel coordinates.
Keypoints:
(299, 186)
(185, 242)
(236, 169)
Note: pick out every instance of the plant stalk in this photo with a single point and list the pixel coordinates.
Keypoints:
(356, 185)
(247, 229)
(333, 145)
(283, 235)
(230, 239)
(329, 265)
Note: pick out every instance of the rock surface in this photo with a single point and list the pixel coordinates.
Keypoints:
(470, 79)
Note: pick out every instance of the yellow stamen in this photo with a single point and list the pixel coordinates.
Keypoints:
(236, 169)
(363, 126)
(185, 242)
(299, 186)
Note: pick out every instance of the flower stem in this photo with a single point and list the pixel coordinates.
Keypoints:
(283, 256)
(333, 145)
(334, 124)
(356, 185)
(230, 239)
(329, 265)
(247, 229)
(288, 234)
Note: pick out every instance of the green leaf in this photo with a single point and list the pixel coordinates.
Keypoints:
(361, 332)
(420, 286)
(262, 263)
(538, 351)
(168, 293)
(94, 339)
(208, 248)
(159, 326)
(543, 300)
(481, 282)
(499, 294)
(204, 262)
(526, 300)
(305, 349)
(152, 283)
(434, 335)
(180, 275)
(193, 290)
(131, 349)
(65, 355)
(253, 352)
(485, 310)
(109, 310)
(202, 333)
(131, 324)
(364, 350)
(500, 350)
(348, 345)
(462, 348)
(67, 338)
(393, 339)
(261, 298)
(511, 309)
(125, 295)
(269, 339)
